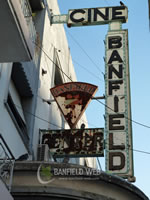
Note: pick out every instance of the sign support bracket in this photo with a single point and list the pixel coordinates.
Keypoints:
(59, 19)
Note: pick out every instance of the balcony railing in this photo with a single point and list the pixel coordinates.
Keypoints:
(6, 163)
(17, 28)
(27, 12)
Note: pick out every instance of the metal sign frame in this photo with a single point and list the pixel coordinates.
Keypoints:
(74, 142)
(72, 99)
(92, 16)
(118, 125)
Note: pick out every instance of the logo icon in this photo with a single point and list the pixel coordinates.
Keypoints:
(44, 174)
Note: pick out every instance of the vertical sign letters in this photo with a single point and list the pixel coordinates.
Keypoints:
(119, 159)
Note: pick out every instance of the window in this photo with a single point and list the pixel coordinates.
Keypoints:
(15, 109)
(59, 81)
(57, 77)
(20, 122)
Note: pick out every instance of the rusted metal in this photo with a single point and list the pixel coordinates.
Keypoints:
(53, 100)
(74, 142)
(95, 98)
(72, 99)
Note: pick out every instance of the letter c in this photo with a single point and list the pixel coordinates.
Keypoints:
(74, 12)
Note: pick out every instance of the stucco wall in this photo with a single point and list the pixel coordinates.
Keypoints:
(50, 45)
(53, 44)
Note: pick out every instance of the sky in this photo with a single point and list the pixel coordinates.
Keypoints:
(88, 50)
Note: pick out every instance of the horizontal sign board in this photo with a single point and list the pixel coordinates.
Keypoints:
(119, 158)
(74, 143)
(97, 16)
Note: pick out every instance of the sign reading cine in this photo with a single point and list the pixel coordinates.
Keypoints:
(97, 16)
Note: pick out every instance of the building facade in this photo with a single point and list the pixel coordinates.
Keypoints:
(93, 186)
(35, 57)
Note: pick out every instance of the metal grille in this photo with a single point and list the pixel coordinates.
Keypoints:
(43, 153)
(25, 6)
(6, 163)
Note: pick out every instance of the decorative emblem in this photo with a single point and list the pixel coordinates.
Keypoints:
(72, 99)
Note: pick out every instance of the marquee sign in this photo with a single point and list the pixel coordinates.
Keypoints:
(74, 143)
(119, 158)
(118, 127)
(72, 99)
(97, 16)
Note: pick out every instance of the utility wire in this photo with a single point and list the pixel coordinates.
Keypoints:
(136, 150)
(146, 126)
(141, 124)
(101, 79)
(62, 127)
(96, 99)
(52, 60)
(91, 73)
(84, 51)
(139, 151)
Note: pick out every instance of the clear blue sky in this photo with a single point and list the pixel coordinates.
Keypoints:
(87, 50)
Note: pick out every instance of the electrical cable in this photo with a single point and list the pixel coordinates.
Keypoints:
(65, 74)
(84, 52)
(140, 151)
(136, 150)
(80, 119)
(91, 73)
(141, 124)
(96, 99)
(52, 60)
(100, 79)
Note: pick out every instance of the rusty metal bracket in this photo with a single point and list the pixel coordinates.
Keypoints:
(53, 100)
(95, 98)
